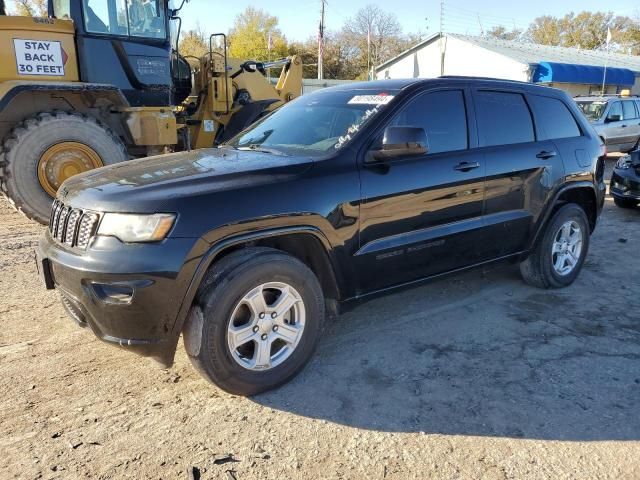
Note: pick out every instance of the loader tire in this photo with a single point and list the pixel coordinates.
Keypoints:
(44, 150)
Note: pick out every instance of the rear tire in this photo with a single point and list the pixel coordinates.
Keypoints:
(24, 147)
(625, 202)
(210, 332)
(545, 267)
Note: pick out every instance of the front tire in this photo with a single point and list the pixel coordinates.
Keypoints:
(43, 151)
(257, 322)
(557, 258)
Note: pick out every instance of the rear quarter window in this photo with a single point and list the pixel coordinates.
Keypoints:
(554, 116)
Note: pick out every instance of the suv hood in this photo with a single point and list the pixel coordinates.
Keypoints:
(153, 184)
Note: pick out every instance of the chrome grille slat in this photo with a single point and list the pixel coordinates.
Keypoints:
(86, 229)
(54, 210)
(72, 226)
(56, 221)
(72, 223)
(64, 213)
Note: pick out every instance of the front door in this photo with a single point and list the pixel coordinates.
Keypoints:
(421, 216)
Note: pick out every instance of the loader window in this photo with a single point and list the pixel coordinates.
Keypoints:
(135, 18)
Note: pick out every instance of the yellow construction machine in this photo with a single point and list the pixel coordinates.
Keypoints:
(101, 81)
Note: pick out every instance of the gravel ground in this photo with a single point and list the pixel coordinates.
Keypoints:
(473, 376)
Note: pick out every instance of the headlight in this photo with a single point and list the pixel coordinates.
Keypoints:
(129, 227)
(623, 163)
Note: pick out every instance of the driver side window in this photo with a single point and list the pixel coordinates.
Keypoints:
(442, 114)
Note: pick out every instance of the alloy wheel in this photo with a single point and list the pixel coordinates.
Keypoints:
(566, 248)
(266, 326)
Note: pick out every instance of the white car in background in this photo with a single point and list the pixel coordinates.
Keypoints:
(616, 119)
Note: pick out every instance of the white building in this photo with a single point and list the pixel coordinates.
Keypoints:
(577, 71)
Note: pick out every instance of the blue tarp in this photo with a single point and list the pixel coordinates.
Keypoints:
(546, 72)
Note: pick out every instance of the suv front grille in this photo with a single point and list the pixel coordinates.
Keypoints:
(72, 226)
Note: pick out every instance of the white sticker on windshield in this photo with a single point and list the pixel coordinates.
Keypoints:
(381, 99)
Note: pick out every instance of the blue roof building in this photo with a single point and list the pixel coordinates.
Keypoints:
(578, 71)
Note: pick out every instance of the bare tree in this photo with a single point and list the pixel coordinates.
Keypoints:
(373, 31)
(503, 34)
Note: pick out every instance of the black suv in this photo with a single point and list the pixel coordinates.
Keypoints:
(343, 193)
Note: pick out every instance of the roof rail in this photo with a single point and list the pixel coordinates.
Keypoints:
(482, 78)
(612, 95)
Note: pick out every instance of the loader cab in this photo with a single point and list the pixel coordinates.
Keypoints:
(124, 43)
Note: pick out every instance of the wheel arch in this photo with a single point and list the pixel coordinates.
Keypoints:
(580, 193)
(22, 100)
(306, 243)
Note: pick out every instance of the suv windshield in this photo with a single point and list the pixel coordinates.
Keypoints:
(315, 124)
(592, 110)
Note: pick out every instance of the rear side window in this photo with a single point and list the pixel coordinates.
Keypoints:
(615, 110)
(628, 110)
(442, 115)
(503, 118)
(555, 117)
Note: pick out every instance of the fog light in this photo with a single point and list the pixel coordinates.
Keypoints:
(113, 293)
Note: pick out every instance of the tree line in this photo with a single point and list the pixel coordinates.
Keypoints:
(585, 30)
(374, 36)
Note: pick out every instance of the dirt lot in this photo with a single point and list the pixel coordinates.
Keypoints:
(473, 376)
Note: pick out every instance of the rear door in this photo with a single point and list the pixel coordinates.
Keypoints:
(520, 169)
(614, 131)
(422, 215)
(630, 123)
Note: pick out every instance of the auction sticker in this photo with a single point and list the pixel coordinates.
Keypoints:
(381, 99)
(39, 57)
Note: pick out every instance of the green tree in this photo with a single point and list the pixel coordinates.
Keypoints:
(630, 38)
(194, 43)
(545, 30)
(249, 36)
(587, 30)
(30, 8)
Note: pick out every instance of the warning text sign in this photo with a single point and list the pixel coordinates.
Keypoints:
(39, 57)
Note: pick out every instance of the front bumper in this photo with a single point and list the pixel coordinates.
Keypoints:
(128, 294)
(625, 184)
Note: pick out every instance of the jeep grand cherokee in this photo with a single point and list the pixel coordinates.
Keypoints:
(341, 194)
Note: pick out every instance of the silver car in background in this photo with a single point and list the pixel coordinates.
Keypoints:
(616, 120)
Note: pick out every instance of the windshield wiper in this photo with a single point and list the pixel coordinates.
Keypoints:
(257, 148)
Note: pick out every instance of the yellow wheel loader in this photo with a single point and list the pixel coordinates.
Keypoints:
(101, 81)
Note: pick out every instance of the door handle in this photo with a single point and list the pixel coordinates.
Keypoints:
(623, 126)
(466, 166)
(546, 154)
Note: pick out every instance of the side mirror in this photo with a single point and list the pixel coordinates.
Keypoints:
(613, 118)
(402, 142)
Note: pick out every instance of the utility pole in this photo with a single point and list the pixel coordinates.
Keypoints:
(321, 40)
